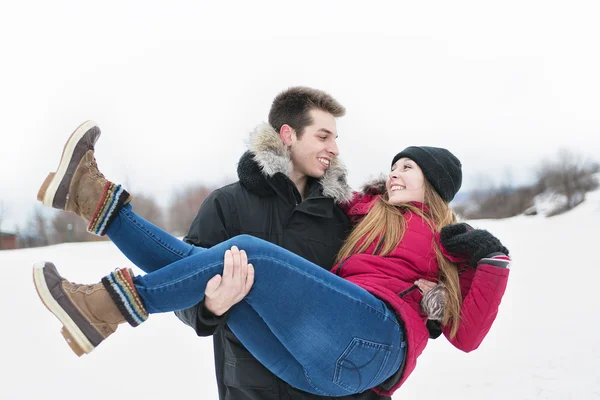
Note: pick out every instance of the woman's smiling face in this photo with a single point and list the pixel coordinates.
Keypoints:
(405, 182)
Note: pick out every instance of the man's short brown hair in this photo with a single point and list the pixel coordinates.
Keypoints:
(292, 107)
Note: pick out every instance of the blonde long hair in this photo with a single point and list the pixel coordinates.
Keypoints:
(385, 225)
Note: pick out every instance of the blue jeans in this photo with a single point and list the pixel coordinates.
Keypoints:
(316, 331)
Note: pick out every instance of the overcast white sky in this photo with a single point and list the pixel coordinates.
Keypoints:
(177, 87)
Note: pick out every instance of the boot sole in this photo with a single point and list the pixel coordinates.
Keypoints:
(48, 190)
(74, 337)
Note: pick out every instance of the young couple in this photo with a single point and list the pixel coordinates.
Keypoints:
(331, 291)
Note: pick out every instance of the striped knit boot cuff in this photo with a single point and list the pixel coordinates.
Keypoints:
(113, 198)
(119, 285)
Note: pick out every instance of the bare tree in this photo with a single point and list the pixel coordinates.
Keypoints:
(2, 213)
(569, 174)
(502, 200)
(69, 227)
(148, 208)
(38, 231)
(498, 202)
(184, 207)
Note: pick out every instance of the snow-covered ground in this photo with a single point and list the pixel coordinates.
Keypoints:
(541, 346)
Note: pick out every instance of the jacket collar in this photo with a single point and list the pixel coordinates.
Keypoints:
(268, 161)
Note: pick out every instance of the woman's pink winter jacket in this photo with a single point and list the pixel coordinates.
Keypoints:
(391, 278)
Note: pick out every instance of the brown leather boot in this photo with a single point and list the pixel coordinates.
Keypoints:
(78, 186)
(89, 313)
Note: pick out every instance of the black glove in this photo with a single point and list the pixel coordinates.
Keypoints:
(462, 240)
(434, 328)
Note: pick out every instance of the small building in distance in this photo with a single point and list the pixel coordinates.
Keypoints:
(8, 241)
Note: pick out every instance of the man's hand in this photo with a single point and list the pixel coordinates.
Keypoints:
(425, 286)
(222, 292)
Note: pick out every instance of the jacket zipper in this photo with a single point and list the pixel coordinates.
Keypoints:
(340, 265)
(407, 291)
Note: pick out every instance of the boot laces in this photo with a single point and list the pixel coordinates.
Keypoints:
(93, 165)
(88, 288)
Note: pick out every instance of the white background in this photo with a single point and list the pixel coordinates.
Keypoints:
(177, 87)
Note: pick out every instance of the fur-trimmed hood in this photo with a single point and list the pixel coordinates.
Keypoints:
(374, 185)
(268, 156)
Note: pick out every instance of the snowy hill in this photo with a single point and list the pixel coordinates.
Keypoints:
(541, 346)
(550, 203)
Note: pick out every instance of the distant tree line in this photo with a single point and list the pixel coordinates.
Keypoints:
(2, 213)
(46, 226)
(568, 174)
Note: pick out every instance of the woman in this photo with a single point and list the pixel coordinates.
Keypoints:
(328, 334)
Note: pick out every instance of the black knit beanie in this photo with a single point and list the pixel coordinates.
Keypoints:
(440, 167)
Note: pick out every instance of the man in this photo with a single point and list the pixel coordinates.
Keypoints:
(290, 182)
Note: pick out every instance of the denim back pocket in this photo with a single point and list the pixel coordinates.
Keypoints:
(361, 365)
